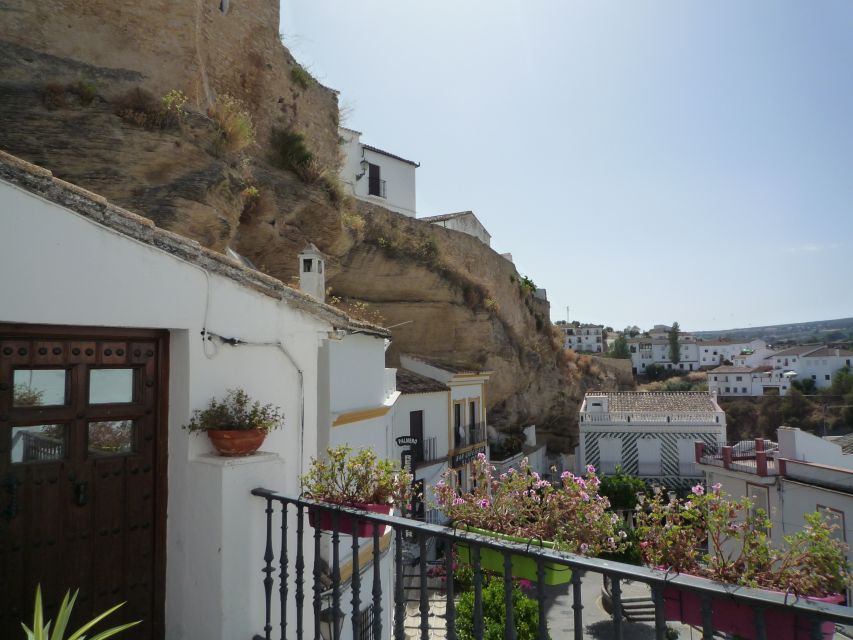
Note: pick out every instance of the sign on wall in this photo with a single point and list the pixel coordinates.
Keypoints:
(464, 458)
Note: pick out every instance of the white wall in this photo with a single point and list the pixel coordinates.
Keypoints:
(85, 274)
(399, 176)
(357, 373)
(467, 223)
(436, 417)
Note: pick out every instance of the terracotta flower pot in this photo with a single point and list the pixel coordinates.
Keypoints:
(347, 525)
(739, 619)
(237, 442)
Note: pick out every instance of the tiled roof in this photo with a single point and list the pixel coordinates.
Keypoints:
(728, 369)
(799, 350)
(846, 443)
(411, 382)
(447, 216)
(97, 209)
(827, 352)
(658, 401)
(390, 155)
(449, 367)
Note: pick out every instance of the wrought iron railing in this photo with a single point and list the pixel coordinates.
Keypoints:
(376, 187)
(428, 449)
(285, 511)
(469, 434)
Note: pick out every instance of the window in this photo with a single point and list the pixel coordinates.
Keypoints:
(728, 390)
(743, 389)
(715, 378)
(374, 183)
(648, 457)
(814, 377)
(739, 379)
(365, 625)
(826, 377)
(687, 458)
(610, 454)
(306, 265)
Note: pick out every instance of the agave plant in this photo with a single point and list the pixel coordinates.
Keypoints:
(42, 631)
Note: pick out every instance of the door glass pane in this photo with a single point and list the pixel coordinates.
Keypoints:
(110, 437)
(38, 443)
(38, 387)
(110, 385)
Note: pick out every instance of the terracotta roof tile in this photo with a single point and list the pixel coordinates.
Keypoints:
(411, 382)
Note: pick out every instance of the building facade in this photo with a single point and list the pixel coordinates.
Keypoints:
(585, 338)
(648, 434)
(377, 176)
(463, 221)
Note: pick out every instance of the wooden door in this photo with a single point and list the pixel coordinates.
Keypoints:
(416, 430)
(82, 474)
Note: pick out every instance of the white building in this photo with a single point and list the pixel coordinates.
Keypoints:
(464, 221)
(694, 354)
(649, 434)
(798, 475)
(376, 176)
(776, 372)
(423, 413)
(101, 295)
(587, 338)
(466, 418)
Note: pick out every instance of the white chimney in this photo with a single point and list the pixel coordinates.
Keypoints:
(312, 277)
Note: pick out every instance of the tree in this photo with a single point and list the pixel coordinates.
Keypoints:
(620, 347)
(674, 350)
(633, 331)
(796, 409)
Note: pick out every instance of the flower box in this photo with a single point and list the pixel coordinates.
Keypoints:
(737, 618)
(523, 567)
(349, 525)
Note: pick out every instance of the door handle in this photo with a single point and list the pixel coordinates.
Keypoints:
(11, 485)
(81, 493)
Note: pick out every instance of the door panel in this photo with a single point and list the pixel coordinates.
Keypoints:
(81, 504)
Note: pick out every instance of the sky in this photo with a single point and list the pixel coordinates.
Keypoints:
(644, 162)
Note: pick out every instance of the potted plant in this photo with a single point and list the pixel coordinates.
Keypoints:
(360, 480)
(675, 533)
(56, 630)
(235, 425)
(519, 506)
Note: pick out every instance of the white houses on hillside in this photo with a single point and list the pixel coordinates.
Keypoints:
(464, 221)
(648, 434)
(136, 327)
(377, 176)
(693, 354)
(776, 372)
(798, 475)
(588, 338)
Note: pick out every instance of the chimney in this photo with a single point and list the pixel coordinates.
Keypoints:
(312, 279)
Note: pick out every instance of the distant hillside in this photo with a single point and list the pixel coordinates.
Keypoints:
(836, 332)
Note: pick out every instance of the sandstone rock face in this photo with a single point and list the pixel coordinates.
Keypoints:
(188, 45)
(452, 298)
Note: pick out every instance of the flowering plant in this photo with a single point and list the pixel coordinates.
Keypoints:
(237, 412)
(569, 513)
(674, 534)
(362, 478)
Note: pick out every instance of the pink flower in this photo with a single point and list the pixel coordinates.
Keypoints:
(458, 501)
(590, 468)
(698, 490)
(644, 544)
(584, 547)
(481, 456)
(524, 583)
(716, 487)
(585, 496)
(484, 503)
(566, 474)
(580, 482)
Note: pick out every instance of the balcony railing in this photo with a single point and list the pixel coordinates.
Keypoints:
(470, 434)
(428, 449)
(747, 456)
(376, 187)
(283, 512)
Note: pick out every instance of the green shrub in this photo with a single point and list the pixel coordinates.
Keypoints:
(525, 613)
(300, 76)
(289, 151)
(86, 91)
(234, 122)
(139, 107)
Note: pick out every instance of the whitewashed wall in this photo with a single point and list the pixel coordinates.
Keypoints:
(436, 417)
(399, 176)
(85, 274)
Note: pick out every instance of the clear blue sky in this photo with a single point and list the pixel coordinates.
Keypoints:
(643, 161)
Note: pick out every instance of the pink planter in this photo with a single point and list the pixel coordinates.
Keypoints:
(348, 525)
(738, 618)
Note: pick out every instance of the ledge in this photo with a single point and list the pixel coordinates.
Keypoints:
(227, 461)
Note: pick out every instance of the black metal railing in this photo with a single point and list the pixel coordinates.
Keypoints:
(467, 435)
(376, 187)
(285, 511)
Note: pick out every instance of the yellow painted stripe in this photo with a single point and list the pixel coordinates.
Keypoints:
(358, 416)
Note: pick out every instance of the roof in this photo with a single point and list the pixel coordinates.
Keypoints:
(827, 352)
(799, 350)
(97, 209)
(846, 443)
(390, 155)
(728, 369)
(411, 382)
(447, 216)
(450, 368)
(658, 401)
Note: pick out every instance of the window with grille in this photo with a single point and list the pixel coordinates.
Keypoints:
(365, 624)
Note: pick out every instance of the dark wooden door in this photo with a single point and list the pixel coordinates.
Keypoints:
(416, 430)
(82, 474)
